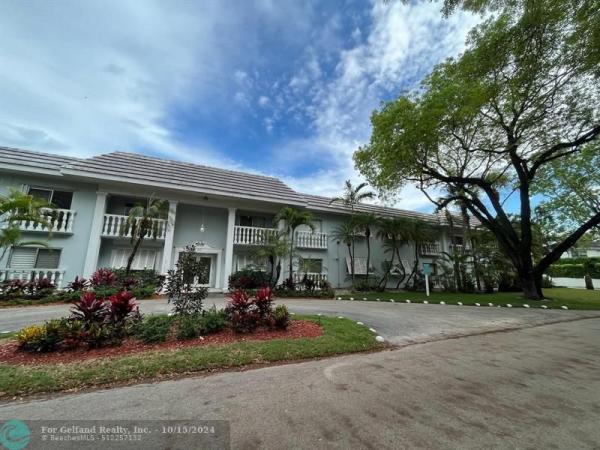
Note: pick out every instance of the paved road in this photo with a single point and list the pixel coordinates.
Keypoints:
(538, 387)
(397, 322)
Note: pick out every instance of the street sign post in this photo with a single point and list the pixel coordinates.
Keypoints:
(426, 272)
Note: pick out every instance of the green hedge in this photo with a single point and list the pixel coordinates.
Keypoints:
(575, 268)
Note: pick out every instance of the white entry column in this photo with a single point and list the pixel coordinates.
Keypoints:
(93, 249)
(229, 247)
(170, 233)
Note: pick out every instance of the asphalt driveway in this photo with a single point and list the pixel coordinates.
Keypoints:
(537, 387)
(398, 323)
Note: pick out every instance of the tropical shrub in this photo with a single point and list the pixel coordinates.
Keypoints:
(213, 320)
(183, 289)
(188, 326)
(281, 317)
(78, 284)
(90, 309)
(242, 312)
(264, 301)
(122, 305)
(31, 338)
(154, 329)
(248, 279)
(103, 278)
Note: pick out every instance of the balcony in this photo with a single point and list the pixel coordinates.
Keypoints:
(311, 240)
(115, 225)
(60, 221)
(54, 275)
(252, 235)
(459, 248)
(317, 277)
(430, 249)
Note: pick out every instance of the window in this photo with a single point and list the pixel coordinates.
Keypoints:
(457, 240)
(360, 265)
(59, 199)
(253, 221)
(144, 258)
(34, 258)
(317, 224)
(311, 265)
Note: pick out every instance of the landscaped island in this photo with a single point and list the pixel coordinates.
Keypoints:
(107, 340)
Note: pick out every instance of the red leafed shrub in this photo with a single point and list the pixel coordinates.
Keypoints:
(129, 283)
(90, 310)
(264, 301)
(242, 312)
(78, 284)
(122, 305)
(103, 278)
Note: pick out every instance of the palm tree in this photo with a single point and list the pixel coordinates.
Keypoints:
(418, 232)
(345, 232)
(391, 233)
(273, 250)
(14, 208)
(293, 218)
(351, 197)
(140, 224)
(365, 222)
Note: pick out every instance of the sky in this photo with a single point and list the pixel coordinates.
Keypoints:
(278, 87)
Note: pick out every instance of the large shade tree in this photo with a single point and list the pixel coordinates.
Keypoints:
(524, 95)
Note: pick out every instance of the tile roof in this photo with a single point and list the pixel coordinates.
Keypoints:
(151, 170)
(140, 169)
(34, 160)
(323, 203)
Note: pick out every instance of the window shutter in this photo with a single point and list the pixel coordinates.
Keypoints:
(119, 258)
(144, 259)
(23, 257)
(47, 258)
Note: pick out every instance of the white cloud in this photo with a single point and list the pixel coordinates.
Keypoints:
(403, 44)
(83, 78)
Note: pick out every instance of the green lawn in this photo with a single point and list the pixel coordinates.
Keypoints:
(339, 336)
(557, 297)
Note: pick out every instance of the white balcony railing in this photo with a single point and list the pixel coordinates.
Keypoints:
(309, 239)
(459, 248)
(60, 221)
(54, 275)
(317, 277)
(430, 248)
(116, 226)
(252, 235)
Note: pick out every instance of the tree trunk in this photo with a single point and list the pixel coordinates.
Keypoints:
(386, 275)
(136, 246)
(368, 236)
(588, 282)
(291, 255)
(351, 263)
(530, 290)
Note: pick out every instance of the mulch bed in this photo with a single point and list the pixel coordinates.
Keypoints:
(9, 352)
